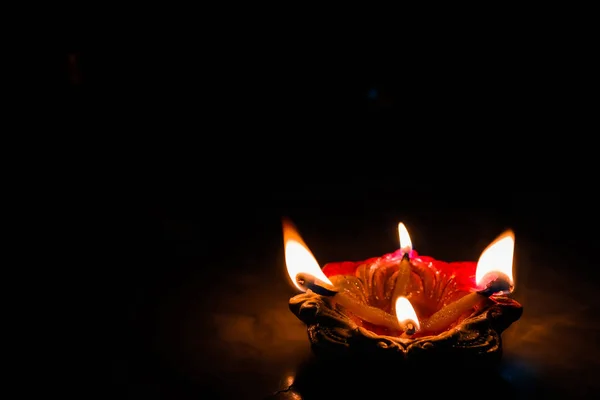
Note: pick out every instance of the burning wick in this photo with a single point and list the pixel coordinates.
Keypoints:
(317, 286)
(495, 263)
(403, 278)
(363, 311)
(407, 317)
(501, 284)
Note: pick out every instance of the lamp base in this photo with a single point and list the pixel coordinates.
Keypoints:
(475, 339)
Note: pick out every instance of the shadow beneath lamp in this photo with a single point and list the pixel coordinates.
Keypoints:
(316, 379)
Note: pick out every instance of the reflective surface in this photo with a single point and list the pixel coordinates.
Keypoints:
(204, 303)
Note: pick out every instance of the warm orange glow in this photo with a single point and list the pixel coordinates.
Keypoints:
(497, 257)
(298, 257)
(288, 380)
(406, 312)
(405, 243)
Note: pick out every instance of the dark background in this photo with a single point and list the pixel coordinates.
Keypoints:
(198, 158)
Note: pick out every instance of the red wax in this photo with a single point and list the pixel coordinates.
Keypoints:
(463, 271)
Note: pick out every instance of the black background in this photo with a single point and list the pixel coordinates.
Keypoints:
(198, 155)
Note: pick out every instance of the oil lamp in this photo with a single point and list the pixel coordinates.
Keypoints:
(402, 307)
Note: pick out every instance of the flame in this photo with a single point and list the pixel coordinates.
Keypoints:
(405, 311)
(497, 257)
(298, 257)
(405, 243)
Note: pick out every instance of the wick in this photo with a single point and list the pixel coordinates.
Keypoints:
(405, 256)
(311, 283)
(410, 329)
(498, 285)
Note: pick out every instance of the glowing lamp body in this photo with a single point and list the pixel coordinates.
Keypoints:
(404, 301)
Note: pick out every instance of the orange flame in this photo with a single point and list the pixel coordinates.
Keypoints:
(406, 312)
(298, 257)
(497, 257)
(405, 242)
